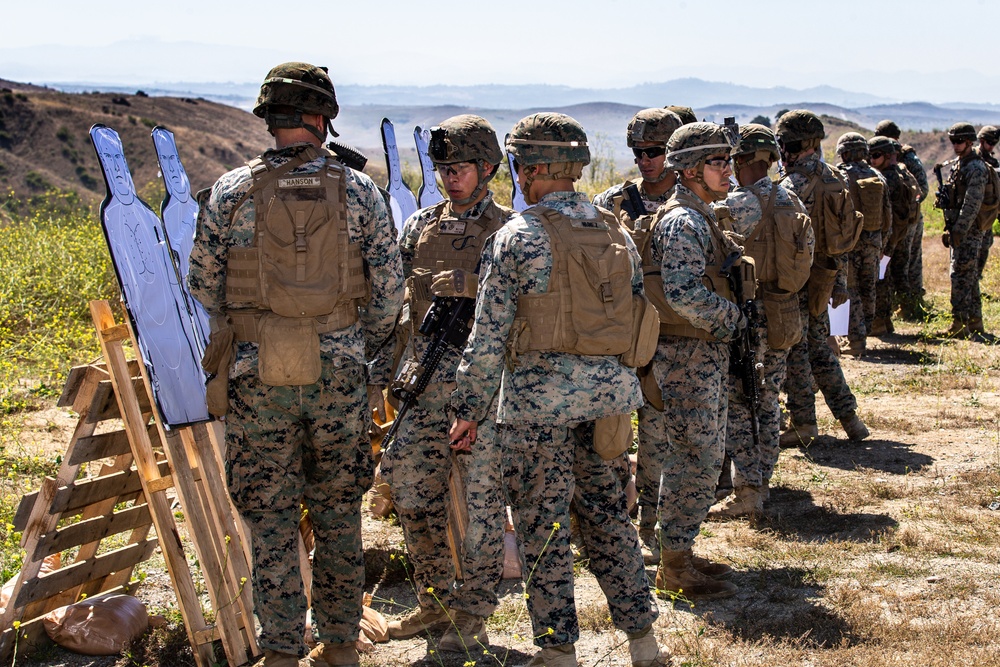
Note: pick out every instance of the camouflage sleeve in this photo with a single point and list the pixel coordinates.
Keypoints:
(604, 199)
(744, 207)
(638, 285)
(479, 372)
(207, 273)
(685, 241)
(381, 254)
(975, 190)
(916, 167)
(412, 228)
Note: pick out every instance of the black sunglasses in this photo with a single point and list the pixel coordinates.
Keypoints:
(957, 140)
(650, 152)
(876, 155)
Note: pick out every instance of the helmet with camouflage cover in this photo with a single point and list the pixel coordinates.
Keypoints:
(757, 143)
(467, 138)
(652, 126)
(963, 131)
(989, 134)
(798, 131)
(852, 147)
(554, 139)
(464, 138)
(686, 113)
(292, 89)
(694, 143)
(887, 128)
(881, 145)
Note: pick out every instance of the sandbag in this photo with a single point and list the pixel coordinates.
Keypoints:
(50, 564)
(511, 561)
(102, 626)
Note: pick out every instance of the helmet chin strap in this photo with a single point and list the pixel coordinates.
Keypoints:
(294, 120)
(716, 195)
(481, 183)
(663, 174)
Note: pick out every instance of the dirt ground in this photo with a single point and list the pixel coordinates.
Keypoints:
(879, 552)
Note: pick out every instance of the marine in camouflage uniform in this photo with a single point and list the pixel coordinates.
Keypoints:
(548, 403)
(647, 136)
(799, 134)
(967, 181)
(753, 465)
(988, 137)
(852, 148)
(913, 306)
(903, 193)
(308, 444)
(417, 464)
(692, 358)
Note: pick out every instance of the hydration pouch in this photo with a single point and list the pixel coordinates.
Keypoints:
(612, 435)
(289, 351)
(784, 319)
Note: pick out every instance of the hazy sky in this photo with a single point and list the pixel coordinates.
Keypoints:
(889, 48)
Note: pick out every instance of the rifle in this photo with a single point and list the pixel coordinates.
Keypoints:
(943, 201)
(633, 204)
(743, 351)
(447, 323)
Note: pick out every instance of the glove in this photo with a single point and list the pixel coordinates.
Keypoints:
(946, 239)
(840, 295)
(376, 400)
(455, 282)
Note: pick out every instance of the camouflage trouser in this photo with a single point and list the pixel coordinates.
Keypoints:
(692, 375)
(864, 260)
(984, 250)
(895, 284)
(752, 466)
(812, 357)
(416, 466)
(966, 302)
(649, 459)
(302, 444)
(915, 267)
(544, 467)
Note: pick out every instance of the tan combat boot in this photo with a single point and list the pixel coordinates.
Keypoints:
(854, 427)
(335, 655)
(798, 435)
(644, 650)
(279, 659)
(745, 501)
(959, 328)
(677, 576)
(555, 656)
(710, 568)
(419, 621)
(467, 632)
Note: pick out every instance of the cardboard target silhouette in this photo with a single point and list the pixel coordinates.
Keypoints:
(179, 212)
(154, 301)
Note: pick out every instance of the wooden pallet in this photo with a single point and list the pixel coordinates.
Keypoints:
(145, 468)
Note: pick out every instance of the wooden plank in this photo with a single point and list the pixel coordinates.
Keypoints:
(79, 573)
(89, 491)
(109, 408)
(72, 387)
(102, 446)
(96, 529)
(160, 484)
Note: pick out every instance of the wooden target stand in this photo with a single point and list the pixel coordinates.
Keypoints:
(143, 465)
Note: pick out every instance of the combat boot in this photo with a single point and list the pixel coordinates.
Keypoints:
(334, 655)
(855, 348)
(798, 435)
(555, 656)
(419, 621)
(854, 427)
(279, 659)
(644, 650)
(649, 538)
(959, 327)
(466, 632)
(710, 568)
(676, 576)
(881, 326)
(745, 501)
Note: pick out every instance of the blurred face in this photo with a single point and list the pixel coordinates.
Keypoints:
(459, 179)
(960, 146)
(718, 169)
(649, 157)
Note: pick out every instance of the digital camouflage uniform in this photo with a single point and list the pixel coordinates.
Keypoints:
(652, 427)
(418, 463)
(915, 237)
(864, 259)
(691, 372)
(288, 445)
(902, 190)
(987, 241)
(547, 404)
(811, 357)
(753, 466)
(969, 178)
